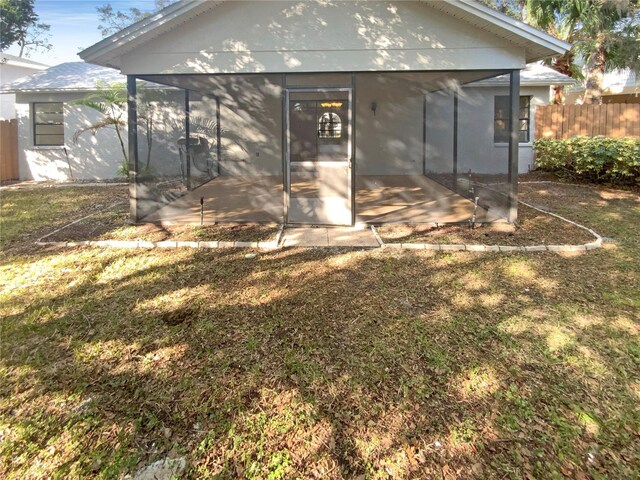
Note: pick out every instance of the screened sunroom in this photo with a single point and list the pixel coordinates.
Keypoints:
(324, 112)
(324, 149)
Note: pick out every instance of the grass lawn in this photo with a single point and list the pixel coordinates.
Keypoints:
(322, 363)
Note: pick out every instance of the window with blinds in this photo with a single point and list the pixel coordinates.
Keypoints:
(501, 120)
(48, 124)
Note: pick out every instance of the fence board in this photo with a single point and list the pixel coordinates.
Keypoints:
(9, 150)
(566, 121)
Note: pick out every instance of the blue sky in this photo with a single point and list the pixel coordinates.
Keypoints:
(74, 26)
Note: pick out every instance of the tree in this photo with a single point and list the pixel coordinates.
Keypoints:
(513, 8)
(111, 102)
(19, 25)
(112, 21)
(604, 34)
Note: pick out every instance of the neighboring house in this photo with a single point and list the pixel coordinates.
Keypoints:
(326, 113)
(619, 86)
(11, 69)
(48, 120)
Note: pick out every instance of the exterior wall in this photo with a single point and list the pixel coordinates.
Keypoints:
(251, 120)
(388, 142)
(322, 36)
(94, 157)
(476, 148)
(9, 73)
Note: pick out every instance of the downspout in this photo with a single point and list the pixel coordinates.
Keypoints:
(66, 153)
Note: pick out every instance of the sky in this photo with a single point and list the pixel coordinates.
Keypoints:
(74, 26)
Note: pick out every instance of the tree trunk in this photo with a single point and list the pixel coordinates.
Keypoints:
(558, 94)
(562, 64)
(595, 74)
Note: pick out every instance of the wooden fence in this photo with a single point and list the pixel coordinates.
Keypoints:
(9, 150)
(566, 121)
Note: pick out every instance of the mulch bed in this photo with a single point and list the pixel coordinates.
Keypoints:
(534, 228)
(114, 224)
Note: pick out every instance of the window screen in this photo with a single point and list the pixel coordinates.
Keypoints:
(501, 119)
(48, 124)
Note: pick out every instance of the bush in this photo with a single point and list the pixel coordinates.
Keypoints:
(597, 159)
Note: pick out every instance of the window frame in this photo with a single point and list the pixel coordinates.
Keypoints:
(330, 133)
(35, 125)
(521, 119)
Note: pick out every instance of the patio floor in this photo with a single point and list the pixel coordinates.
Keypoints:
(329, 237)
(379, 199)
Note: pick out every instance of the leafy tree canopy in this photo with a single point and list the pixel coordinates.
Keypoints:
(19, 25)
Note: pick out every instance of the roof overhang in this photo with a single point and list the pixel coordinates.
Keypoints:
(537, 44)
(107, 52)
(18, 62)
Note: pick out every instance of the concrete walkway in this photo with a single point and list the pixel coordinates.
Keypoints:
(329, 237)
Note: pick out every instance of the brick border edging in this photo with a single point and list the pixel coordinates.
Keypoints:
(127, 244)
(502, 248)
(277, 242)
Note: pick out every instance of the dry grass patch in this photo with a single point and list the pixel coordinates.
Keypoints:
(327, 364)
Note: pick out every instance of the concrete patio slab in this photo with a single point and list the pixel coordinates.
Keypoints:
(352, 237)
(329, 237)
(305, 237)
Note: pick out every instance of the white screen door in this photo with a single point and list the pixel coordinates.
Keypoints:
(319, 156)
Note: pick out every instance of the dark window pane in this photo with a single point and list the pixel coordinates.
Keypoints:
(501, 134)
(501, 118)
(48, 123)
(52, 140)
(50, 129)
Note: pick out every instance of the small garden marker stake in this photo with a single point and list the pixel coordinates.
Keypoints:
(475, 212)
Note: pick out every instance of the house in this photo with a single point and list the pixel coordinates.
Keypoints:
(325, 112)
(98, 157)
(11, 69)
(48, 118)
(619, 86)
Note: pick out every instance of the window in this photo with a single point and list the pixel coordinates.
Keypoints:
(329, 125)
(48, 124)
(501, 119)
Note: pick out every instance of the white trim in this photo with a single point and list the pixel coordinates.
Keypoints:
(168, 17)
(503, 21)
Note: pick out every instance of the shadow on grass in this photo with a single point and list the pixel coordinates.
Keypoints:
(325, 364)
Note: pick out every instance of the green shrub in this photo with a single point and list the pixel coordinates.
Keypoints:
(597, 159)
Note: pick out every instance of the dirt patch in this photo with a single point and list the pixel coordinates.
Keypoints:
(115, 225)
(534, 228)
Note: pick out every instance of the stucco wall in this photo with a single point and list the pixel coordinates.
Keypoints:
(9, 73)
(476, 127)
(93, 157)
(321, 36)
(476, 148)
(251, 120)
(389, 141)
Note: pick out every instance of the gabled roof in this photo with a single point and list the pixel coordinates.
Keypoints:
(66, 77)
(537, 44)
(167, 19)
(8, 59)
